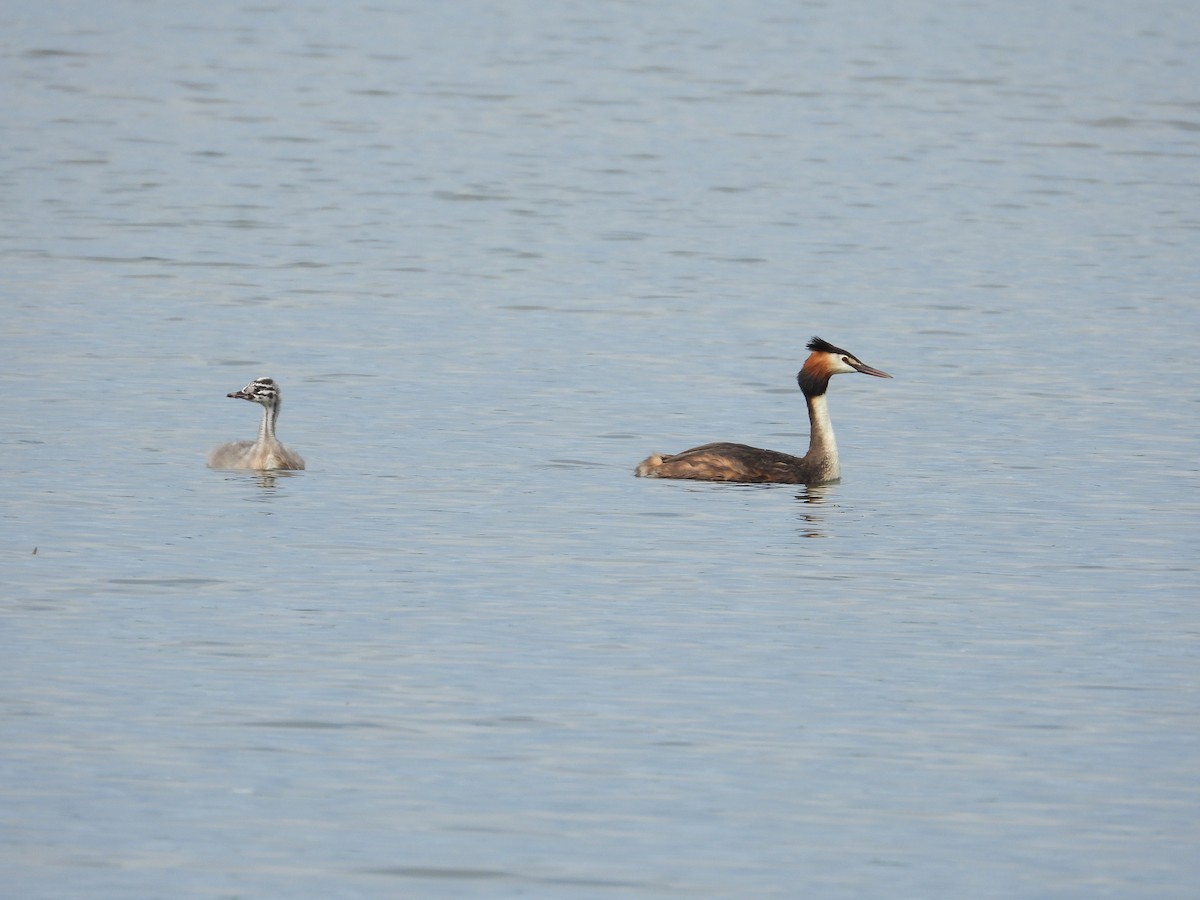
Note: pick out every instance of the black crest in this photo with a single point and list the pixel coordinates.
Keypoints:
(819, 345)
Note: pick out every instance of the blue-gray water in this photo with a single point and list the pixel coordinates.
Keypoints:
(496, 253)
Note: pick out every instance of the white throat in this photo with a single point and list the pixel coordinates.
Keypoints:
(822, 445)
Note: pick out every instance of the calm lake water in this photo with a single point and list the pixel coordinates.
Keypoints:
(497, 253)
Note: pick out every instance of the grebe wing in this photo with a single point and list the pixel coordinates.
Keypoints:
(731, 462)
(230, 456)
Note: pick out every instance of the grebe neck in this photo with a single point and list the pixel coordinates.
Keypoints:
(266, 428)
(821, 443)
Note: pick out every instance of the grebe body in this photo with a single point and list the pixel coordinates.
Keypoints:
(739, 462)
(265, 452)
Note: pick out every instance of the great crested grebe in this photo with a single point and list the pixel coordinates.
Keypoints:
(738, 462)
(266, 452)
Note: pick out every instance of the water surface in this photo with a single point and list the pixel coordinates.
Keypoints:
(495, 254)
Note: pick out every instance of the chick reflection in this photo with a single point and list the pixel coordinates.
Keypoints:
(269, 481)
(811, 518)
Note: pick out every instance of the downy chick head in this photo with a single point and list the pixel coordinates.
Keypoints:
(260, 390)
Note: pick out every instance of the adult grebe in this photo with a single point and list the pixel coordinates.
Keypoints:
(266, 452)
(738, 462)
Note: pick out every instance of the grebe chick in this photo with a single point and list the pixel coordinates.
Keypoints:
(266, 452)
(738, 462)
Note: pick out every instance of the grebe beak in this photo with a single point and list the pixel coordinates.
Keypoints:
(239, 395)
(861, 367)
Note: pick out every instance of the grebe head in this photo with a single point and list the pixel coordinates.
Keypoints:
(825, 362)
(260, 390)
